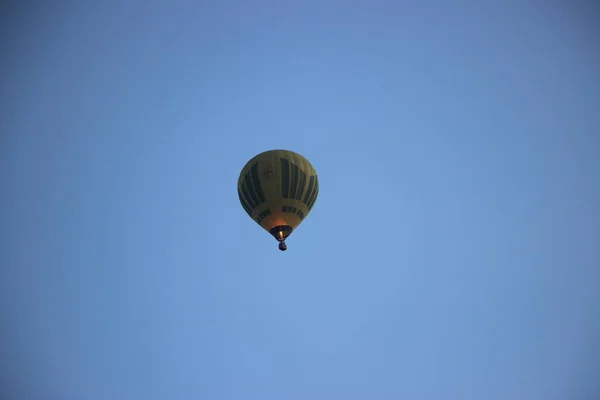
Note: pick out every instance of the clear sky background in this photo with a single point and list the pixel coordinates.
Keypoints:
(453, 252)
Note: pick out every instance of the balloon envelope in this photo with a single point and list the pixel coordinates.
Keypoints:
(278, 189)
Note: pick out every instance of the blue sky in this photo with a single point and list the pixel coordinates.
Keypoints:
(453, 252)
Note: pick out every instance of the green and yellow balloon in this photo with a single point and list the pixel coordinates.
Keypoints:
(278, 189)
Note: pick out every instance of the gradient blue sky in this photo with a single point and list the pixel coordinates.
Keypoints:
(453, 252)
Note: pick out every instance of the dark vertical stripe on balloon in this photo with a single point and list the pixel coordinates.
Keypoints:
(294, 186)
(256, 183)
(250, 187)
(311, 183)
(247, 196)
(244, 204)
(301, 184)
(285, 178)
(315, 192)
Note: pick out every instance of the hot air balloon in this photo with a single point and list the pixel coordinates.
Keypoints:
(278, 189)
